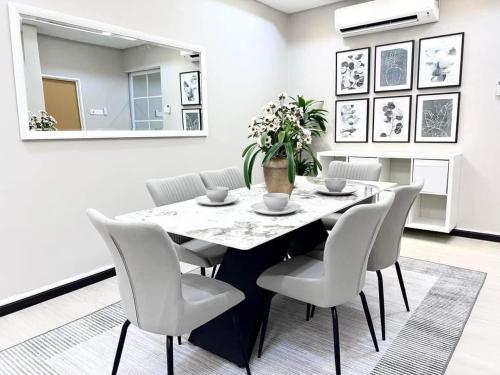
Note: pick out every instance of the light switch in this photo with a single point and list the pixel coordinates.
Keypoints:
(99, 112)
(167, 109)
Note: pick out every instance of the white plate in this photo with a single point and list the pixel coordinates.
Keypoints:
(204, 201)
(261, 208)
(348, 190)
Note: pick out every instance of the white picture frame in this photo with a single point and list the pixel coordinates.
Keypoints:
(437, 118)
(394, 66)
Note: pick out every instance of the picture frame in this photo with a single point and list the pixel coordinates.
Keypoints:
(391, 119)
(352, 71)
(192, 119)
(190, 88)
(440, 60)
(351, 120)
(437, 118)
(394, 66)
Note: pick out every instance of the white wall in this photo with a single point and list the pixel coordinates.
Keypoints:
(32, 70)
(312, 46)
(46, 186)
(103, 82)
(171, 63)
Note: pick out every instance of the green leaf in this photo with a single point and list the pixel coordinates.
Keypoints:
(291, 162)
(250, 166)
(271, 152)
(281, 136)
(247, 167)
(248, 148)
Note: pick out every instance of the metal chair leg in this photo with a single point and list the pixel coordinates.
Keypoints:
(313, 309)
(214, 269)
(170, 355)
(336, 340)
(119, 349)
(369, 320)
(308, 312)
(402, 285)
(381, 302)
(237, 328)
(202, 271)
(179, 340)
(263, 328)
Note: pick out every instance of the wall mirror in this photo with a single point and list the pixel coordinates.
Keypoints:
(76, 78)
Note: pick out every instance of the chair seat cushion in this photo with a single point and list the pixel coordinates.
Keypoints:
(298, 278)
(200, 253)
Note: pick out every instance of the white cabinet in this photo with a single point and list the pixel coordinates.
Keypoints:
(436, 207)
(434, 173)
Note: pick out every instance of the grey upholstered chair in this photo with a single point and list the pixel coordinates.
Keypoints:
(336, 279)
(351, 171)
(156, 297)
(229, 177)
(180, 188)
(385, 251)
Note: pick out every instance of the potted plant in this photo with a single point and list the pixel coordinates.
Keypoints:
(283, 134)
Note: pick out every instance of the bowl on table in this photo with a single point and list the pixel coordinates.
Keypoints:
(217, 193)
(276, 201)
(335, 184)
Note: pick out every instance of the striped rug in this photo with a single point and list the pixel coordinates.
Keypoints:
(420, 342)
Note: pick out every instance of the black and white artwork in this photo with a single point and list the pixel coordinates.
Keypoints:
(394, 66)
(191, 119)
(190, 88)
(391, 119)
(440, 61)
(351, 121)
(353, 72)
(437, 118)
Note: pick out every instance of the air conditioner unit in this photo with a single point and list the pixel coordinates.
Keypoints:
(382, 15)
(191, 56)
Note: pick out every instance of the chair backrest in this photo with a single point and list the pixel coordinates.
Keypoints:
(348, 247)
(148, 272)
(229, 177)
(385, 251)
(175, 189)
(355, 171)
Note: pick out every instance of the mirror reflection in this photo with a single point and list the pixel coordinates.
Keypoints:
(87, 80)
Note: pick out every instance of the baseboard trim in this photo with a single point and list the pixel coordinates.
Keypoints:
(463, 233)
(34, 299)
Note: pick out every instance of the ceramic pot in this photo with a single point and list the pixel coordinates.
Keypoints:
(276, 176)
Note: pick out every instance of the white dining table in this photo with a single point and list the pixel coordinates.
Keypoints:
(238, 226)
(255, 242)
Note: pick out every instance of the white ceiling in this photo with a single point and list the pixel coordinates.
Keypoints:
(293, 6)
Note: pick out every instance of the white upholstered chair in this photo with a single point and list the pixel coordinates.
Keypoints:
(350, 171)
(231, 178)
(339, 277)
(156, 297)
(180, 188)
(385, 251)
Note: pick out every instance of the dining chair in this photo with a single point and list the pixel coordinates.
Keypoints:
(338, 278)
(387, 245)
(350, 171)
(156, 297)
(181, 188)
(229, 177)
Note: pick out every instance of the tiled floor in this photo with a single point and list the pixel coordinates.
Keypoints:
(475, 352)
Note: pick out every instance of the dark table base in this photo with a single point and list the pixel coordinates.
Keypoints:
(241, 269)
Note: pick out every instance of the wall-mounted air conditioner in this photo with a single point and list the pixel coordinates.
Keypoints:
(191, 56)
(382, 15)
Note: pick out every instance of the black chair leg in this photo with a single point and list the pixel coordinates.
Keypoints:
(179, 340)
(202, 271)
(267, 307)
(313, 309)
(214, 269)
(336, 340)
(369, 320)
(237, 329)
(381, 302)
(308, 311)
(170, 355)
(402, 285)
(119, 349)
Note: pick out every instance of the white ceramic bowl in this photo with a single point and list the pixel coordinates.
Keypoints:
(335, 184)
(276, 201)
(217, 193)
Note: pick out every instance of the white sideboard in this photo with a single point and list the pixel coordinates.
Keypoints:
(436, 207)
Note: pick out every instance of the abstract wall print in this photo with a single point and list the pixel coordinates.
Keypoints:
(394, 66)
(351, 121)
(190, 88)
(391, 119)
(191, 119)
(353, 72)
(440, 61)
(437, 118)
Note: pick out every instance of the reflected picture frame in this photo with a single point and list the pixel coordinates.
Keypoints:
(189, 83)
(192, 119)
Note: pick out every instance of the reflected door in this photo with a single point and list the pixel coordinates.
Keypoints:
(146, 97)
(61, 102)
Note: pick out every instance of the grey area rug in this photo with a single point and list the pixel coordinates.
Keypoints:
(419, 342)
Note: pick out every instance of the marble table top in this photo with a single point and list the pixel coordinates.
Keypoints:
(239, 227)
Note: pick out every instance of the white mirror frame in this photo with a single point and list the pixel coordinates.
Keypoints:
(16, 11)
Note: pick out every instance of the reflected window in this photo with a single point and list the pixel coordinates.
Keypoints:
(146, 98)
